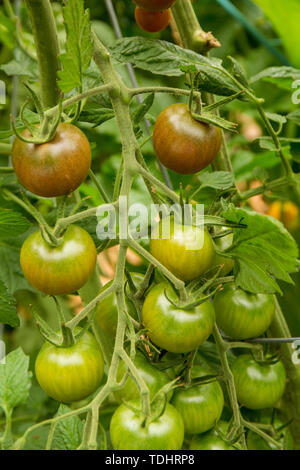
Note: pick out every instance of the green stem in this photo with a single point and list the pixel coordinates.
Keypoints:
(43, 26)
(5, 149)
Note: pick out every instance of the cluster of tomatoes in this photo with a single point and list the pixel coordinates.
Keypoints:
(153, 16)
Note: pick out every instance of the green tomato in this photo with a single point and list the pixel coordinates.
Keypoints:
(129, 431)
(186, 253)
(258, 385)
(62, 269)
(107, 310)
(70, 374)
(175, 329)
(222, 244)
(242, 315)
(200, 406)
(153, 377)
(211, 440)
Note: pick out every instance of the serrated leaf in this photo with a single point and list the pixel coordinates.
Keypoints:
(15, 380)
(68, 432)
(218, 180)
(8, 311)
(21, 65)
(96, 116)
(78, 46)
(12, 222)
(10, 269)
(283, 77)
(164, 58)
(258, 251)
(277, 118)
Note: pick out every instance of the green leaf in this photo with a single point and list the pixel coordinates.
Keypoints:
(12, 222)
(15, 380)
(7, 31)
(141, 110)
(21, 65)
(263, 252)
(164, 58)
(68, 432)
(294, 116)
(78, 46)
(277, 118)
(8, 311)
(10, 269)
(285, 16)
(283, 77)
(96, 115)
(235, 69)
(218, 180)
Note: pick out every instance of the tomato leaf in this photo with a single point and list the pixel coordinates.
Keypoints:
(218, 179)
(79, 45)
(8, 311)
(15, 380)
(12, 222)
(283, 77)
(164, 58)
(263, 252)
(68, 431)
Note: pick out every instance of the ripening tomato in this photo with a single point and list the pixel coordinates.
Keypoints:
(183, 144)
(212, 440)
(154, 5)
(55, 168)
(152, 21)
(186, 251)
(258, 385)
(200, 406)
(287, 212)
(154, 378)
(107, 310)
(222, 244)
(172, 328)
(70, 374)
(241, 314)
(129, 431)
(59, 270)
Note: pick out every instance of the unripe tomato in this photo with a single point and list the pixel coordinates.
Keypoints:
(242, 315)
(211, 440)
(70, 374)
(154, 378)
(59, 270)
(183, 144)
(152, 21)
(258, 385)
(172, 328)
(55, 168)
(129, 431)
(287, 212)
(107, 310)
(187, 252)
(222, 244)
(200, 406)
(154, 5)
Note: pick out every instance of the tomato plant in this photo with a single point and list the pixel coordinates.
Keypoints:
(201, 405)
(54, 168)
(130, 432)
(242, 315)
(176, 329)
(70, 374)
(188, 252)
(152, 21)
(62, 269)
(155, 5)
(183, 144)
(258, 385)
(212, 440)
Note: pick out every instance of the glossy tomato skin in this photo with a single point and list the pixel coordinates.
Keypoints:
(183, 144)
(59, 270)
(176, 330)
(55, 168)
(200, 406)
(107, 310)
(211, 440)
(258, 385)
(128, 432)
(70, 374)
(154, 5)
(222, 244)
(152, 21)
(241, 314)
(187, 252)
(153, 377)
